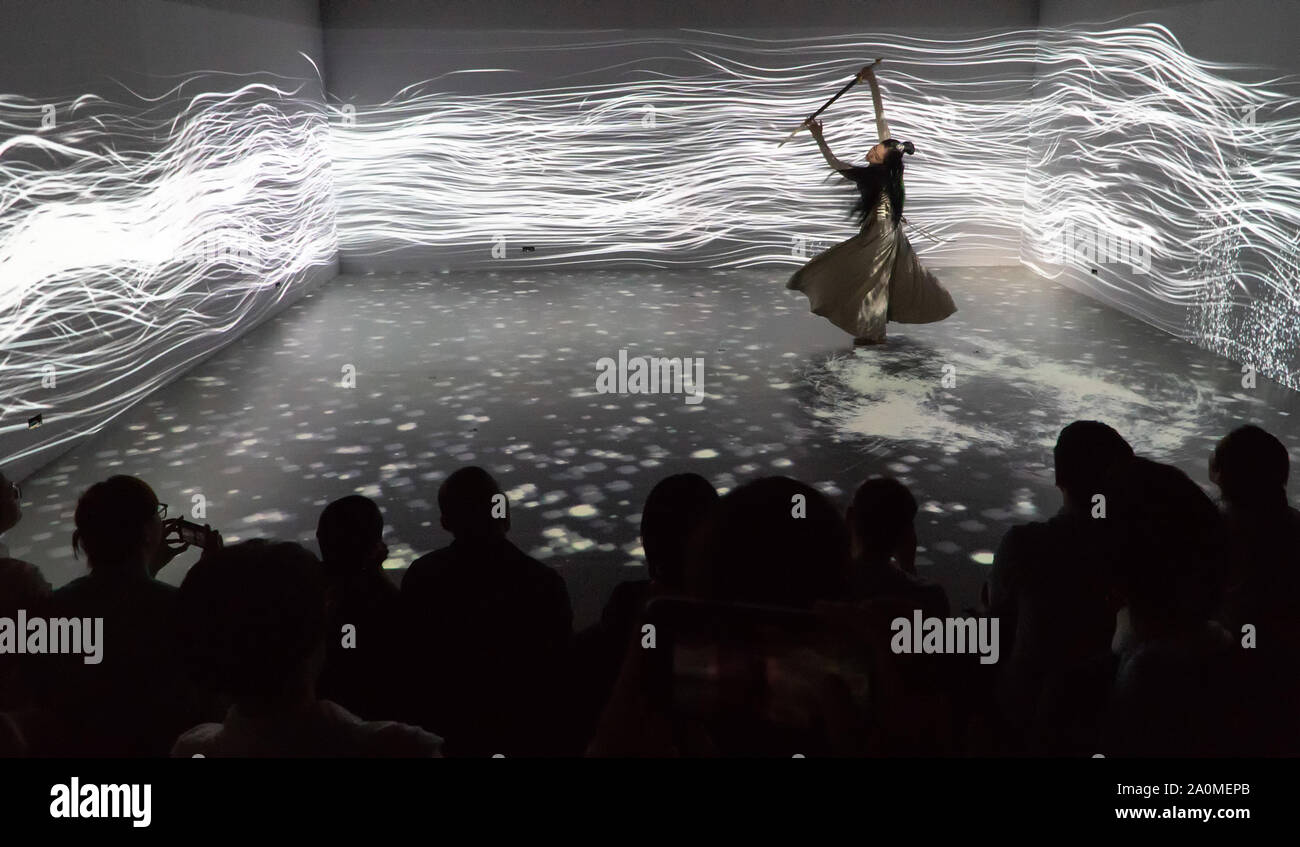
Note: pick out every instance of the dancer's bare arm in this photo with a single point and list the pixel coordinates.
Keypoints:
(815, 129)
(869, 74)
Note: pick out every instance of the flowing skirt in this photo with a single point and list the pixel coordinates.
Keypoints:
(872, 278)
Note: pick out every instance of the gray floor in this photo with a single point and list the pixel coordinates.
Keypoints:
(499, 370)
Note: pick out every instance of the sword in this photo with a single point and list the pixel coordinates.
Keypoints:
(856, 79)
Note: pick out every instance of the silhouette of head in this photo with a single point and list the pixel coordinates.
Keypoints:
(1169, 541)
(1251, 467)
(11, 510)
(253, 617)
(676, 507)
(349, 533)
(881, 517)
(118, 523)
(1085, 454)
(771, 541)
(470, 505)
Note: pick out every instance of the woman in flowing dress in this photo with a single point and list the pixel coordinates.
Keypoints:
(873, 277)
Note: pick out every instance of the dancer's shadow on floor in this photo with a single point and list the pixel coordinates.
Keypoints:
(899, 356)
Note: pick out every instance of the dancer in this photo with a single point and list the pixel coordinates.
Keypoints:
(873, 277)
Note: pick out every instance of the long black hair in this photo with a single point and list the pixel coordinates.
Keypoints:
(872, 179)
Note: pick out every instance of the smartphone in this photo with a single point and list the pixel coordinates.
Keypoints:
(192, 533)
(762, 665)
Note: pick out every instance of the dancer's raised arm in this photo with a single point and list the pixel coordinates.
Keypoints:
(815, 130)
(869, 74)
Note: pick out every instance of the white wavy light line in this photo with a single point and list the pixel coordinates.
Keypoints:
(683, 168)
(133, 233)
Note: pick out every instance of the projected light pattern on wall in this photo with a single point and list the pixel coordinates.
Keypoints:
(1162, 185)
(134, 234)
(676, 162)
(1111, 160)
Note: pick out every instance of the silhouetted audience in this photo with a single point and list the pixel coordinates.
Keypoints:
(1139, 620)
(254, 626)
(676, 507)
(134, 700)
(1177, 680)
(364, 668)
(1262, 603)
(1251, 469)
(774, 540)
(1051, 582)
(21, 587)
(490, 630)
(1166, 685)
(882, 522)
(915, 706)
